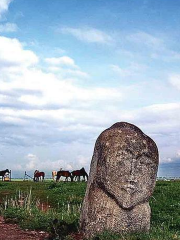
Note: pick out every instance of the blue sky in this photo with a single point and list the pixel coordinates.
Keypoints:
(70, 69)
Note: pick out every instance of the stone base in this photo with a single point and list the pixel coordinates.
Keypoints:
(102, 213)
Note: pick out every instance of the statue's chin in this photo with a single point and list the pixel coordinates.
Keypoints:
(126, 205)
(126, 200)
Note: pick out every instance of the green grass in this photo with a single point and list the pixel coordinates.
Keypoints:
(65, 200)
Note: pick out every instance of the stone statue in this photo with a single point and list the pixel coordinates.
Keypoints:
(122, 178)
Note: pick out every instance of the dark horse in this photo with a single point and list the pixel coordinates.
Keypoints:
(3, 173)
(65, 174)
(38, 176)
(79, 173)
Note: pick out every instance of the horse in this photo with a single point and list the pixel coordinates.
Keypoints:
(54, 174)
(38, 175)
(79, 173)
(3, 173)
(65, 174)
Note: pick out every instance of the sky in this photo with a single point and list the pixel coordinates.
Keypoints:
(71, 69)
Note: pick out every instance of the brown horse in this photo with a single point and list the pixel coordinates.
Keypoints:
(3, 173)
(78, 173)
(65, 174)
(38, 176)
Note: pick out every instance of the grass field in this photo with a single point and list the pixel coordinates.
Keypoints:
(55, 207)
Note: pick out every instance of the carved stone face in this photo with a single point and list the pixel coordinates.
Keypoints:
(126, 165)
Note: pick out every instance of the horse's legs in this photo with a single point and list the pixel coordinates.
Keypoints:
(58, 178)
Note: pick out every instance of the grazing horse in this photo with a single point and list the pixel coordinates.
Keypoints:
(38, 175)
(79, 173)
(65, 174)
(3, 173)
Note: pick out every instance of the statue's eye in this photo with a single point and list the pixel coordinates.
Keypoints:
(121, 163)
(142, 161)
(145, 161)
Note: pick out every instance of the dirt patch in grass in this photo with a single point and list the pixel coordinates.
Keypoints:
(44, 207)
(13, 232)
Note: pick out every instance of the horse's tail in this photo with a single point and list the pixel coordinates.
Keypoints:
(57, 177)
(86, 175)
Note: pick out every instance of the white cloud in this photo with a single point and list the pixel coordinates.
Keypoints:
(131, 70)
(32, 162)
(28, 92)
(20, 73)
(8, 27)
(166, 55)
(68, 72)
(178, 153)
(83, 161)
(12, 54)
(77, 73)
(41, 108)
(53, 90)
(153, 46)
(61, 61)
(147, 39)
(4, 4)
(91, 35)
(65, 67)
(174, 79)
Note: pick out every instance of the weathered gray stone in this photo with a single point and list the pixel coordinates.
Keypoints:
(122, 178)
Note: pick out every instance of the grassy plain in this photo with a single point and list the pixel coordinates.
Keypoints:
(55, 207)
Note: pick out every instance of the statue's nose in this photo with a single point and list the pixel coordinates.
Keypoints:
(132, 167)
